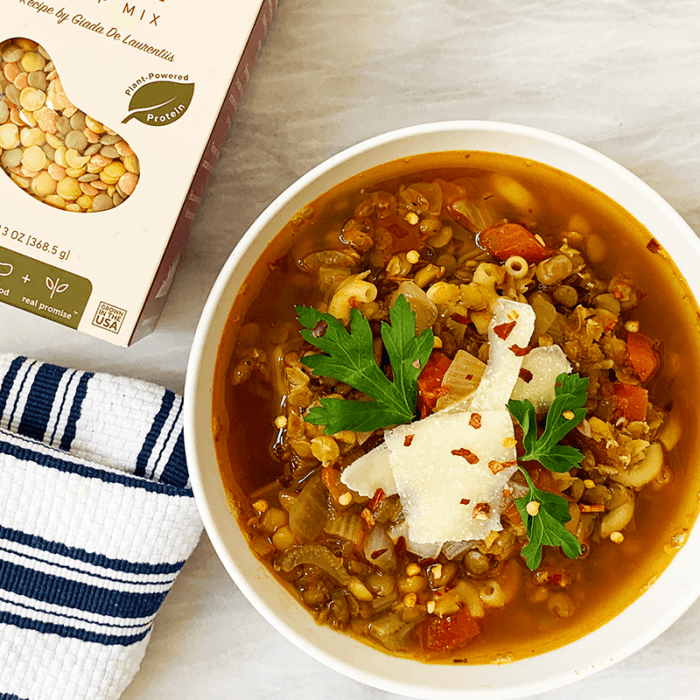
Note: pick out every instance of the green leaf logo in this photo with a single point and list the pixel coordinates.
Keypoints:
(160, 103)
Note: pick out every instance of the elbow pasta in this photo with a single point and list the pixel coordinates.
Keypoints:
(492, 594)
(516, 266)
(355, 288)
(488, 276)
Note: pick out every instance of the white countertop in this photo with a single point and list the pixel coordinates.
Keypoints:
(620, 76)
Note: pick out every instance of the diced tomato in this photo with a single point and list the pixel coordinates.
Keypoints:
(642, 356)
(514, 239)
(629, 401)
(450, 632)
(430, 387)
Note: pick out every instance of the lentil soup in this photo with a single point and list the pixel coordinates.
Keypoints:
(464, 237)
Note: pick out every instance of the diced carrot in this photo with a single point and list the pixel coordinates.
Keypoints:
(642, 356)
(629, 401)
(514, 239)
(430, 387)
(450, 632)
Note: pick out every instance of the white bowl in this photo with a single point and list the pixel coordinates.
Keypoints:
(652, 613)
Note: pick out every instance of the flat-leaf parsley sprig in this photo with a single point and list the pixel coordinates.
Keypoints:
(565, 413)
(544, 523)
(349, 358)
(544, 514)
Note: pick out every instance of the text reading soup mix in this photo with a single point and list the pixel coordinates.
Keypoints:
(456, 416)
(48, 146)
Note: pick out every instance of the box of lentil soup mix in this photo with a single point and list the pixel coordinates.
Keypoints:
(112, 114)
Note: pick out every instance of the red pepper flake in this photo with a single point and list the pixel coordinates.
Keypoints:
(475, 421)
(400, 547)
(460, 318)
(552, 578)
(378, 497)
(378, 553)
(481, 511)
(525, 375)
(509, 464)
(353, 302)
(368, 517)
(503, 330)
(591, 508)
(465, 502)
(506, 493)
(469, 377)
(653, 246)
(467, 454)
(495, 466)
(518, 351)
(408, 439)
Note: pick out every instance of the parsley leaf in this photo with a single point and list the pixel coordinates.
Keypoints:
(350, 359)
(565, 413)
(547, 526)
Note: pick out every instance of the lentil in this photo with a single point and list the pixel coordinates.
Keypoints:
(53, 142)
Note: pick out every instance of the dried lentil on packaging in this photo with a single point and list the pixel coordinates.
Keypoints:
(50, 148)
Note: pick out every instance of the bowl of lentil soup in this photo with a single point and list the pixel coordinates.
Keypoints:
(527, 519)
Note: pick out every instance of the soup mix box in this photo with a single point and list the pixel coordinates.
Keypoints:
(112, 115)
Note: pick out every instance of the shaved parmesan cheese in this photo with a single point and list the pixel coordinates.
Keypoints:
(541, 367)
(451, 468)
(370, 472)
(447, 489)
(509, 334)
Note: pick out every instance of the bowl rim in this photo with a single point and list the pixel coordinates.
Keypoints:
(198, 394)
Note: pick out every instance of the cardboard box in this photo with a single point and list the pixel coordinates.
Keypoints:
(157, 83)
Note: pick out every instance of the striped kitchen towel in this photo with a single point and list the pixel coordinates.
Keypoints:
(96, 520)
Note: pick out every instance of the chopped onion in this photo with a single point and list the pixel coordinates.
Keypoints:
(391, 631)
(545, 314)
(379, 549)
(426, 312)
(310, 511)
(318, 555)
(461, 379)
(347, 526)
(454, 549)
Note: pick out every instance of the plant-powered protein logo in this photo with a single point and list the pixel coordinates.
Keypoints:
(160, 102)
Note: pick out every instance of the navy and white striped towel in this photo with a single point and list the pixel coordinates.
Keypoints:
(96, 520)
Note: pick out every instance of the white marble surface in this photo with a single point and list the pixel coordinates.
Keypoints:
(618, 75)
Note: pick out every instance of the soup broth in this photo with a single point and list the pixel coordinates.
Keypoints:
(600, 287)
